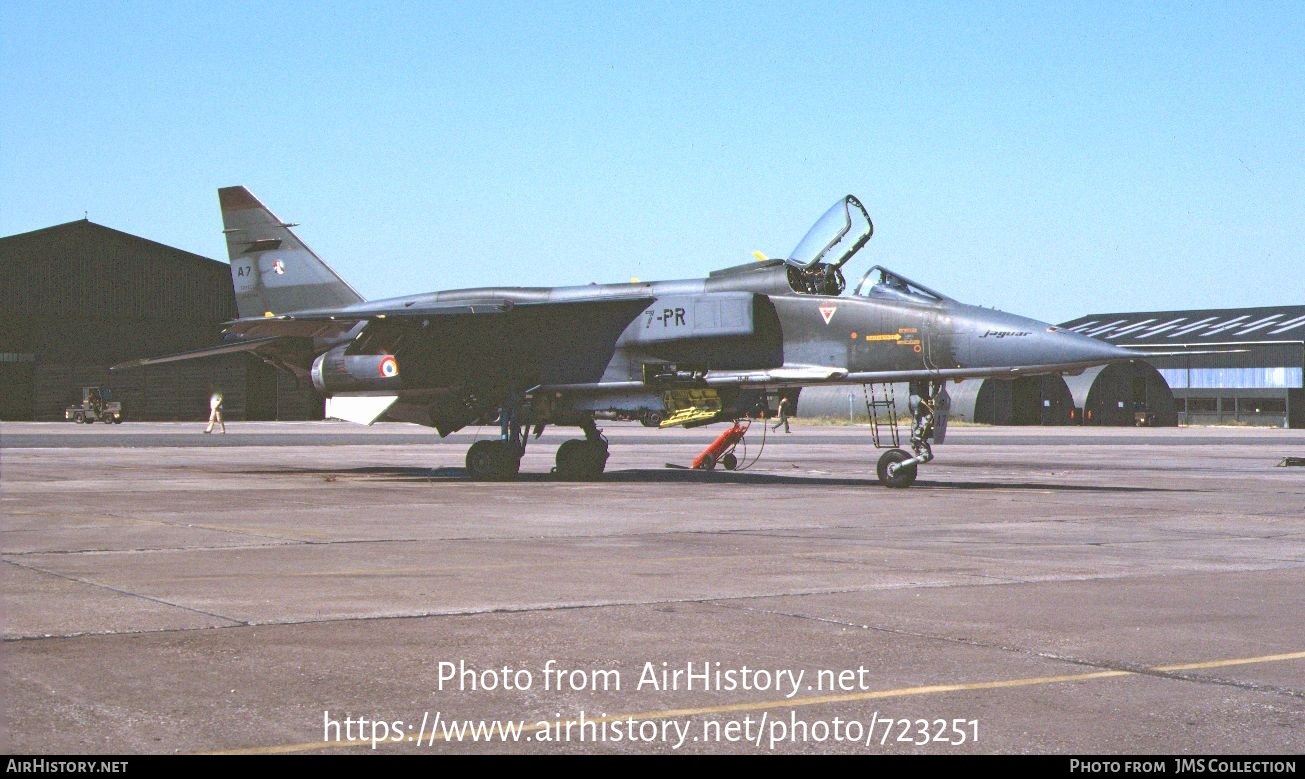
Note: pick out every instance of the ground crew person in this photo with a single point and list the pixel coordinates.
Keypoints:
(215, 412)
(783, 415)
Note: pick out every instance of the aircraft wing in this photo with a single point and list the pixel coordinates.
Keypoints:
(478, 334)
(949, 374)
(268, 346)
(811, 375)
(389, 309)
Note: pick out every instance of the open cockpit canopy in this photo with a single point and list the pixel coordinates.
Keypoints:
(835, 237)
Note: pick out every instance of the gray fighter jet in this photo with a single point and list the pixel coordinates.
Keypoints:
(685, 352)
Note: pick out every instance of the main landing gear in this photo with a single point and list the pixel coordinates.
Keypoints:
(579, 459)
(897, 467)
(500, 460)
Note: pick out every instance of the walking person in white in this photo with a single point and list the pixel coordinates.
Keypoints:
(215, 412)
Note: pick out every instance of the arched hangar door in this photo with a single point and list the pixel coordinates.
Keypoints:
(1028, 400)
(1124, 395)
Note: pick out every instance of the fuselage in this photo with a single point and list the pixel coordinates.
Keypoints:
(751, 318)
(643, 350)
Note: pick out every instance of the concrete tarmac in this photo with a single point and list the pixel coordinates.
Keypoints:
(320, 587)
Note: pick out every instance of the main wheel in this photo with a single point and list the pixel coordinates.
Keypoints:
(482, 460)
(900, 477)
(491, 461)
(569, 459)
(581, 460)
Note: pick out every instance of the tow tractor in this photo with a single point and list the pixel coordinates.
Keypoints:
(97, 405)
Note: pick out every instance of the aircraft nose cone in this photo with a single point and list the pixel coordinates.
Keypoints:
(1086, 348)
(998, 339)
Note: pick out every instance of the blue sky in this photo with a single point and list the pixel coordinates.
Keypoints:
(1050, 159)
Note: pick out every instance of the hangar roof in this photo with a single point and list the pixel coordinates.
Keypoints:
(92, 232)
(82, 270)
(1208, 326)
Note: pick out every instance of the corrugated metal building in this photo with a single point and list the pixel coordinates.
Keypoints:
(79, 297)
(1245, 365)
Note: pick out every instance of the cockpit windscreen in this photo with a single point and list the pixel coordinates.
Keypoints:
(881, 282)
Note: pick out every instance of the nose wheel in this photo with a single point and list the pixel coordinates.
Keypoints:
(892, 473)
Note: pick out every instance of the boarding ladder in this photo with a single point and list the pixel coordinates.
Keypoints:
(881, 408)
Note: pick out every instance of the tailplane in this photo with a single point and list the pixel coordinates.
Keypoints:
(273, 271)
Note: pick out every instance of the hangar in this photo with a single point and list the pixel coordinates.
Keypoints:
(1029, 400)
(79, 297)
(1241, 366)
(1122, 394)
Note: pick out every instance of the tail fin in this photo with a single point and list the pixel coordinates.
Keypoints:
(273, 271)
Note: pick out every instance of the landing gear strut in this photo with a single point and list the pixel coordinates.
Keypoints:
(897, 468)
(500, 460)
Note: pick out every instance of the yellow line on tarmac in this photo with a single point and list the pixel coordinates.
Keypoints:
(900, 692)
(1222, 663)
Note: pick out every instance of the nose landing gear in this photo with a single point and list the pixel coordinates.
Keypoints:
(897, 468)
